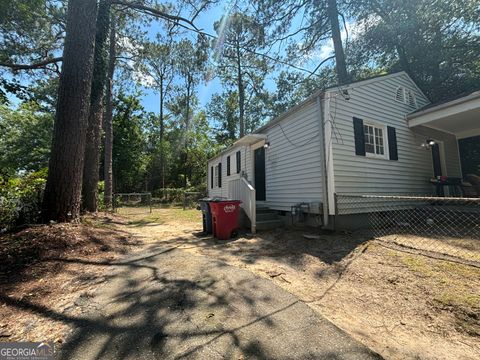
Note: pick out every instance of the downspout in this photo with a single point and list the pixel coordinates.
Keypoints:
(321, 132)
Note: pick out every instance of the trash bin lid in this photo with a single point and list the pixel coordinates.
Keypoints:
(223, 200)
(207, 199)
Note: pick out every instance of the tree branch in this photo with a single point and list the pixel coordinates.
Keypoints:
(154, 12)
(37, 65)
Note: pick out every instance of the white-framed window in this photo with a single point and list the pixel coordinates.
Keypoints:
(406, 96)
(375, 140)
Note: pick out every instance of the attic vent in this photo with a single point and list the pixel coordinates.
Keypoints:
(411, 99)
(400, 94)
(406, 96)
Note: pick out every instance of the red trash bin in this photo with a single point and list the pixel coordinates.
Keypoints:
(225, 215)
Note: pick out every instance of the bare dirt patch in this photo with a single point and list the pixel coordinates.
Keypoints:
(402, 305)
(49, 272)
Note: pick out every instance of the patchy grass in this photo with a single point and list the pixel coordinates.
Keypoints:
(189, 215)
(416, 263)
(142, 216)
(152, 219)
(454, 291)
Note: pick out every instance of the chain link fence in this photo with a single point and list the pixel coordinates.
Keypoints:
(446, 226)
(132, 203)
(191, 198)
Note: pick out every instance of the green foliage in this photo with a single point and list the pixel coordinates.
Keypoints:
(20, 198)
(223, 111)
(437, 43)
(25, 138)
(189, 150)
(242, 73)
(31, 30)
(101, 193)
(169, 195)
(129, 144)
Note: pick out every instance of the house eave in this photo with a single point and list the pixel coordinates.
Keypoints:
(249, 139)
(459, 117)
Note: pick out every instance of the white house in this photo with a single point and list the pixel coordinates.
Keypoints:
(377, 136)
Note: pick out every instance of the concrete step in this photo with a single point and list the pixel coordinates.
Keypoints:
(262, 216)
(264, 210)
(269, 224)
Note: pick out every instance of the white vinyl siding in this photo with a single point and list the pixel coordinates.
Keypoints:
(292, 161)
(217, 191)
(376, 102)
(293, 170)
(450, 144)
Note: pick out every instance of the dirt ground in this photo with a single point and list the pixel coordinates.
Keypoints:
(401, 305)
(55, 269)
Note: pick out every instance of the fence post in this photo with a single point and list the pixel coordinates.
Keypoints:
(184, 200)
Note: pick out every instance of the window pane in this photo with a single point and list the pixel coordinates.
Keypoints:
(239, 161)
(379, 150)
(369, 139)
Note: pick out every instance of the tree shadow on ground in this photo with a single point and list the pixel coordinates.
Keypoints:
(164, 305)
(28, 255)
(287, 246)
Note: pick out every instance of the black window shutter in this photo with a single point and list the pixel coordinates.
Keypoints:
(219, 174)
(392, 143)
(359, 136)
(239, 162)
(228, 165)
(211, 177)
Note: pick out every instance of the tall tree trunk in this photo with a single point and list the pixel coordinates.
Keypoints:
(340, 63)
(108, 123)
(162, 130)
(241, 93)
(94, 130)
(63, 190)
(187, 129)
(403, 59)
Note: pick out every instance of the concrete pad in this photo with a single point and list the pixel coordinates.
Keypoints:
(174, 305)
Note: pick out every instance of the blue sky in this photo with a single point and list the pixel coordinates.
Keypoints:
(205, 22)
(204, 92)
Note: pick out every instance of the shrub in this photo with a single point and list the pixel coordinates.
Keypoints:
(169, 195)
(101, 194)
(21, 199)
